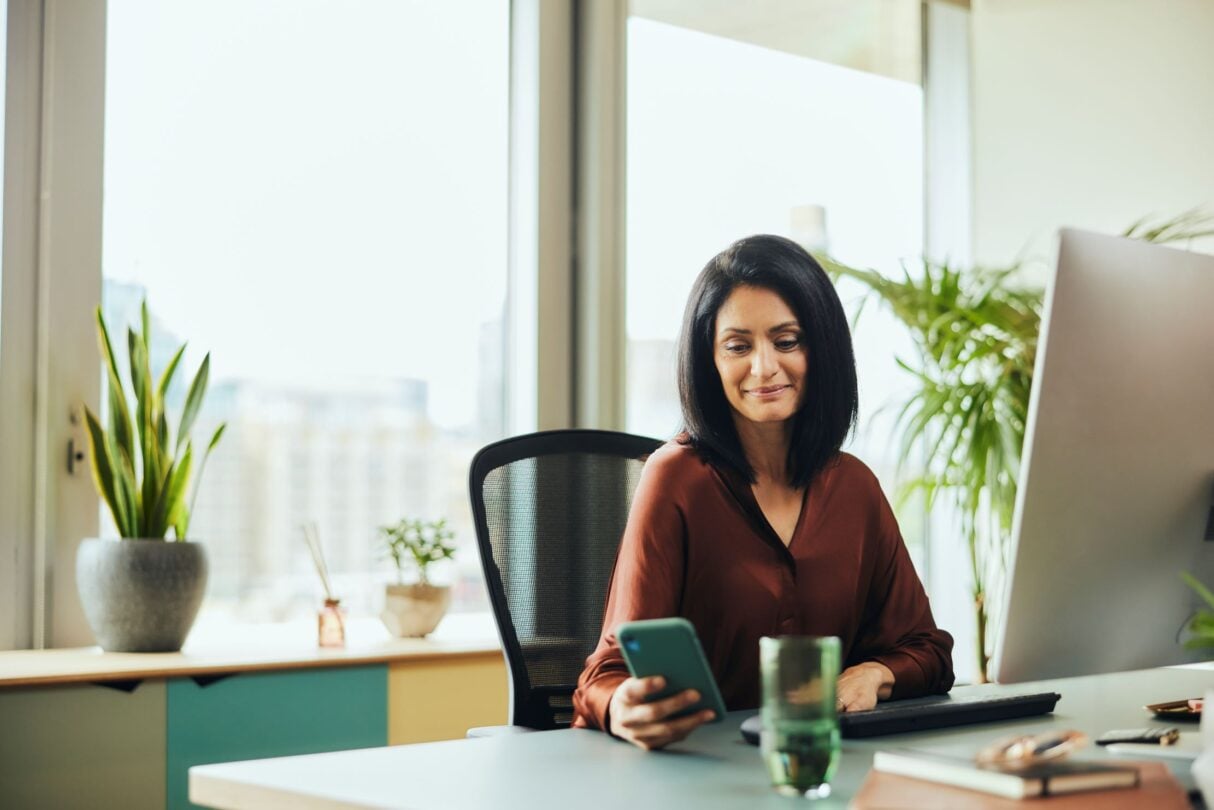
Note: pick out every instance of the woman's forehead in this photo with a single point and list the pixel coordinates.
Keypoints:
(753, 309)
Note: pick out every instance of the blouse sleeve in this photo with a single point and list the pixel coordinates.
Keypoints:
(647, 583)
(898, 629)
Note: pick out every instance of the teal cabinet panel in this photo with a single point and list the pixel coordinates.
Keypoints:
(271, 714)
(83, 746)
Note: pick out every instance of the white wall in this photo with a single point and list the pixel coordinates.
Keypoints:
(1089, 113)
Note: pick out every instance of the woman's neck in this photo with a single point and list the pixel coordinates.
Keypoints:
(765, 446)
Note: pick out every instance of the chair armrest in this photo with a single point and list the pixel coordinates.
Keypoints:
(498, 731)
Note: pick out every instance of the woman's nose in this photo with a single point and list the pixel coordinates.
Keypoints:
(763, 362)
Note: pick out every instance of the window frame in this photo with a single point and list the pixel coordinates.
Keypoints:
(55, 115)
(19, 299)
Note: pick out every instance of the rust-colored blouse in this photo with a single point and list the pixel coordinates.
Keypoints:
(698, 546)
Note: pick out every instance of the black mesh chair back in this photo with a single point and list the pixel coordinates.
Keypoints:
(550, 509)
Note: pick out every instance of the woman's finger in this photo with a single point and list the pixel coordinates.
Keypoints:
(661, 709)
(635, 690)
(646, 714)
(657, 735)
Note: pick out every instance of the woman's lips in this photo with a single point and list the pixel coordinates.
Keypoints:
(767, 391)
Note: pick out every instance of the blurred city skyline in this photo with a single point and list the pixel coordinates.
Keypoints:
(348, 460)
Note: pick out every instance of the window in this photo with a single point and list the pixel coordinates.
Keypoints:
(315, 193)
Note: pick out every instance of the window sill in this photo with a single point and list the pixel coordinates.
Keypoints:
(237, 648)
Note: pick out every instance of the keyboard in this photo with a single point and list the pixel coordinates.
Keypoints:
(937, 711)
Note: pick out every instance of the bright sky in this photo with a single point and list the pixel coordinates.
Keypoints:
(313, 191)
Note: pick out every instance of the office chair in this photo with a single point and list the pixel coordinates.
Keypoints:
(550, 510)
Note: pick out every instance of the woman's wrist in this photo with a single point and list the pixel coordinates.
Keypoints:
(882, 675)
(607, 715)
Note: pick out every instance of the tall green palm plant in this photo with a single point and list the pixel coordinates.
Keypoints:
(975, 333)
(142, 471)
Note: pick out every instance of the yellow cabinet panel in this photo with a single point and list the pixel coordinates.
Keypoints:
(442, 699)
(83, 746)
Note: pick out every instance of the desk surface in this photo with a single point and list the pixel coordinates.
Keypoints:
(713, 768)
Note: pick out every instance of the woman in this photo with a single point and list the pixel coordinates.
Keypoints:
(751, 522)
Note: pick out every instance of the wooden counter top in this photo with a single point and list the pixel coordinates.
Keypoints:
(250, 649)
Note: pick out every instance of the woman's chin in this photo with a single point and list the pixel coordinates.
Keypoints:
(767, 414)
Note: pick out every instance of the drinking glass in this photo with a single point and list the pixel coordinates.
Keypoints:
(800, 735)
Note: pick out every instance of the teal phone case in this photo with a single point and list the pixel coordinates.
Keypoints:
(670, 648)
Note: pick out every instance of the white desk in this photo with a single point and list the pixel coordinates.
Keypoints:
(587, 769)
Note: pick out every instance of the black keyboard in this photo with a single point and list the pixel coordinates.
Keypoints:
(938, 711)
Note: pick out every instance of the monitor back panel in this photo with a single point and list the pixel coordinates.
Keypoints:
(1117, 482)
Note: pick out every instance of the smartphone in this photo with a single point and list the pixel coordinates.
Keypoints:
(670, 648)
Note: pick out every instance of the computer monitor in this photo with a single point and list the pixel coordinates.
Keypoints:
(1116, 494)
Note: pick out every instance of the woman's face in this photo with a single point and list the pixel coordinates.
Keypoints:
(760, 353)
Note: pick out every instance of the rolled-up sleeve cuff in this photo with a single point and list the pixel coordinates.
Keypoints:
(595, 700)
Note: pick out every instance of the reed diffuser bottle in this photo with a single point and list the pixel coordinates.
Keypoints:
(330, 621)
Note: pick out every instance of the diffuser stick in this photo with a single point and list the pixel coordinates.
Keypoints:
(312, 538)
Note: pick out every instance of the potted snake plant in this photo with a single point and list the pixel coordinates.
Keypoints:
(413, 610)
(141, 593)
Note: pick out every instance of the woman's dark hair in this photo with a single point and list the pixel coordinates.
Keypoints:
(830, 404)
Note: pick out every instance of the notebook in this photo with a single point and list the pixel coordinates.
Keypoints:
(1040, 779)
(1157, 789)
(938, 711)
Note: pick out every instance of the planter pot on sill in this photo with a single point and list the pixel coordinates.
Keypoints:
(141, 595)
(413, 611)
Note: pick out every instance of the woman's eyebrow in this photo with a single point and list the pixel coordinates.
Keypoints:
(780, 327)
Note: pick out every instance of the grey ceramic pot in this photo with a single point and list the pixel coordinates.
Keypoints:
(141, 595)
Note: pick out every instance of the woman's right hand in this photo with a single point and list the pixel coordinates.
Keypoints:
(649, 725)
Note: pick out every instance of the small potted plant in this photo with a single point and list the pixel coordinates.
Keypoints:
(414, 610)
(142, 592)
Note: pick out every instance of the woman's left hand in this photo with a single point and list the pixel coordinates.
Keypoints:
(861, 686)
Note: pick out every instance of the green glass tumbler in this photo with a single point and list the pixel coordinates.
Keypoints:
(799, 740)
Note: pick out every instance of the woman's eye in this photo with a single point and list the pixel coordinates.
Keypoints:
(735, 348)
(788, 344)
